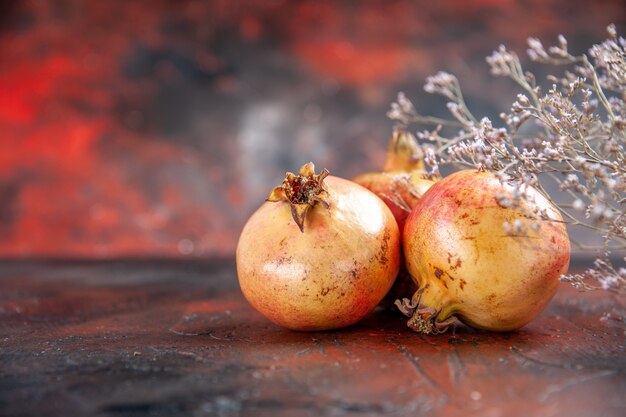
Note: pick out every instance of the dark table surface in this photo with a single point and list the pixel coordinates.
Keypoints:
(155, 338)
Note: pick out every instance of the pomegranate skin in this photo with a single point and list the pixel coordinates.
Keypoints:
(406, 186)
(330, 275)
(468, 266)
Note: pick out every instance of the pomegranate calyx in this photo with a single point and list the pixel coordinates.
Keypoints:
(423, 319)
(403, 153)
(406, 307)
(302, 191)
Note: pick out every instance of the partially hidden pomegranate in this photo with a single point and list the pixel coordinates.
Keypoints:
(469, 266)
(400, 185)
(402, 181)
(319, 254)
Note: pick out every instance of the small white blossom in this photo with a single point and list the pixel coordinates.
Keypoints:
(578, 205)
(442, 83)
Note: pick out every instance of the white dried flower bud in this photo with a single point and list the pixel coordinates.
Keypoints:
(597, 212)
(608, 282)
(404, 103)
(610, 183)
(578, 205)
(501, 61)
(395, 113)
(612, 30)
(523, 100)
(580, 161)
(442, 83)
(452, 106)
(536, 50)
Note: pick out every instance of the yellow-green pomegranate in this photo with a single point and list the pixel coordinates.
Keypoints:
(319, 254)
(469, 266)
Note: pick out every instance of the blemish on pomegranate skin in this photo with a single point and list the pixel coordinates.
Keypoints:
(462, 283)
(384, 248)
(438, 273)
(456, 264)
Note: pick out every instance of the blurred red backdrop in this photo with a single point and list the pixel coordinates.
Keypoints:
(155, 128)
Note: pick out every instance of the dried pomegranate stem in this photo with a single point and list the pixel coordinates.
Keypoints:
(302, 191)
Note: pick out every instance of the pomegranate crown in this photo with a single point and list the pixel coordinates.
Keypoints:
(403, 152)
(302, 191)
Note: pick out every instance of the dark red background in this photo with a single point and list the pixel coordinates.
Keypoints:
(155, 128)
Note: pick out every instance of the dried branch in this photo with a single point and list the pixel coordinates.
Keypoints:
(577, 139)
